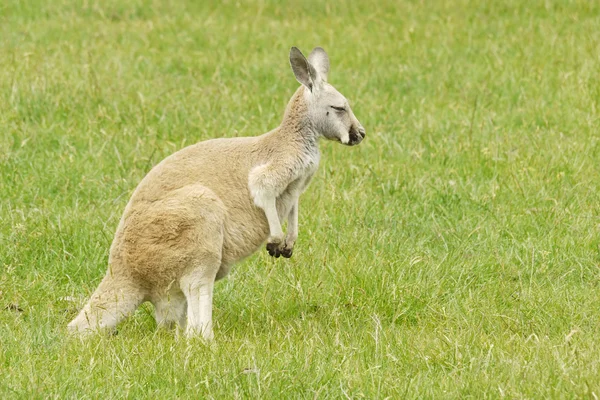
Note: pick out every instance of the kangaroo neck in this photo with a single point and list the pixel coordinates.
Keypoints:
(296, 124)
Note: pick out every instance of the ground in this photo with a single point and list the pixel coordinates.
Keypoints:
(453, 254)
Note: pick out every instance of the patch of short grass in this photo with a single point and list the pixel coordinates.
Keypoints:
(453, 254)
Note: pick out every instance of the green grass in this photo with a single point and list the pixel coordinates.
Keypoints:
(453, 254)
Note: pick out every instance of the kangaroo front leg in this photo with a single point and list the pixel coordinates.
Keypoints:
(276, 233)
(292, 231)
(266, 183)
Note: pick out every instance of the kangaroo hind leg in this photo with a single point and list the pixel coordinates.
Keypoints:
(197, 278)
(197, 285)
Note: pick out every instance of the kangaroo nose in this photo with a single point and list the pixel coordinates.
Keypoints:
(362, 132)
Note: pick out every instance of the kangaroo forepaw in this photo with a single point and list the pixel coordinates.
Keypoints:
(279, 249)
(274, 249)
(287, 252)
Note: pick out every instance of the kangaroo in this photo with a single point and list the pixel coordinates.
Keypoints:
(211, 204)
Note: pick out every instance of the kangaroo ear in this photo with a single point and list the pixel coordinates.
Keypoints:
(319, 59)
(304, 71)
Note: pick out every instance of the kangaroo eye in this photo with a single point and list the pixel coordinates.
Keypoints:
(338, 108)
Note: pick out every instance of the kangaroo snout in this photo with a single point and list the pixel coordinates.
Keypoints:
(356, 135)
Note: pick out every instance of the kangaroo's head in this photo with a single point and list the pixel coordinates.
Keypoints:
(328, 110)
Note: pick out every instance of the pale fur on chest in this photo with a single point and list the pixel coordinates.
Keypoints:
(292, 192)
(283, 178)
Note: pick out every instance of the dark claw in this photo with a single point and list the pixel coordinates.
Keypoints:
(287, 253)
(273, 249)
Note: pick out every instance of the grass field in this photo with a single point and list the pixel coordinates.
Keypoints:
(453, 254)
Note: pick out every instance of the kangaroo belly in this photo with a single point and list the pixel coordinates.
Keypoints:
(245, 231)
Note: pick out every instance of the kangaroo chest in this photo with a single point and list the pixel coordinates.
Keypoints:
(295, 188)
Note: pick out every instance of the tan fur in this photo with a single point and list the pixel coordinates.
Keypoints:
(197, 213)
